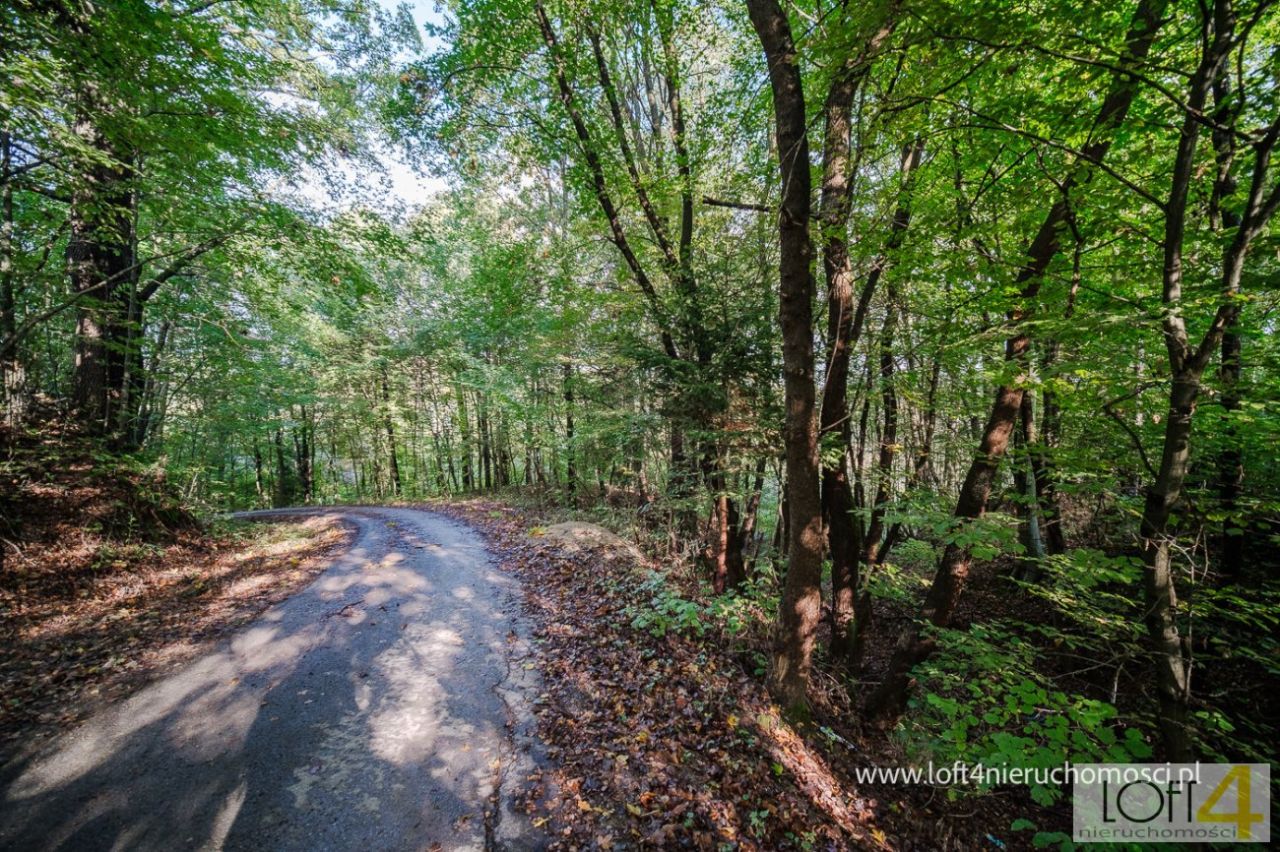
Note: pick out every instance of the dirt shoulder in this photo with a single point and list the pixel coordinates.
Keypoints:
(661, 738)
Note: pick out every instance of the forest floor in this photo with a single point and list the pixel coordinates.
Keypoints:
(105, 583)
(668, 739)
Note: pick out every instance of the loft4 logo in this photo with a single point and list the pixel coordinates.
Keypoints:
(1230, 801)
(1171, 803)
(1243, 817)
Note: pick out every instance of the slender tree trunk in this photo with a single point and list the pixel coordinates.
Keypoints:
(571, 472)
(259, 485)
(1026, 476)
(1172, 655)
(11, 371)
(924, 455)
(747, 531)
(853, 544)
(1171, 651)
(884, 473)
(464, 420)
(953, 569)
(389, 427)
(284, 491)
(718, 542)
(1231, 459)
(844, 325)
(1040, 452)
(1046, 485)
(486, 442)
(801, 604)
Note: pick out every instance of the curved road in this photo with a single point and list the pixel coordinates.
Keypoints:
(384, 707)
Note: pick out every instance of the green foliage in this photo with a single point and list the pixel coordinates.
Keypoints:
(985, 538)
(982, 700)
(916, 555)
(665, 611)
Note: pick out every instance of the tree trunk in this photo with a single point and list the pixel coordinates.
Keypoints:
(304, 454)
(1040, 452)
(100, 262)
(856, 545)
(1027, 476)
(747, 531)
(259, 484)
(571, 472)
(717, 552)
(843, 329)
(464, 420)
(953, 569)
(801, 605)
(1231, 457)
(1170, 651)
(924, 455)
(11, 372)
(884, 475)
(1172, 656)
(283, 489)
(388, 426)
(1231, 460)
(486, 443)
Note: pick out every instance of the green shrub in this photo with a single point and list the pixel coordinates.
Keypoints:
(982, 700)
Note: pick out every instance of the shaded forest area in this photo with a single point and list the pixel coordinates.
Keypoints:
(930, 343)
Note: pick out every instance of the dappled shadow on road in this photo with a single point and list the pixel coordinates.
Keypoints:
(144, 608)
(361, 713)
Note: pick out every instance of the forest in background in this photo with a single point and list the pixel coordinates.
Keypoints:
(839, 307)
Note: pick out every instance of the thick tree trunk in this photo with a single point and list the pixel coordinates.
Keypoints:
(100, 265)
(801, 605)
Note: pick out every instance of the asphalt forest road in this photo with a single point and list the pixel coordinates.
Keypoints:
(385, 707)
